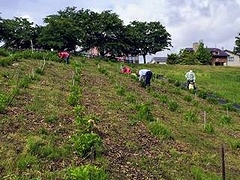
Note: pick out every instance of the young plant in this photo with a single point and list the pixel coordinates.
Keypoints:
(144, 112)
(75, 96)
(87, 144)
(86, 172)
(225, 119)
(190, 117)
(209, 128)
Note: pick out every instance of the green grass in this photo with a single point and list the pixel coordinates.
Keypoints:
(87, 119)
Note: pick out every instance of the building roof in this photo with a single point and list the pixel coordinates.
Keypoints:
(159, 59)
(221, 53)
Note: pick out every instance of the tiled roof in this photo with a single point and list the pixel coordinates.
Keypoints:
(220, 52)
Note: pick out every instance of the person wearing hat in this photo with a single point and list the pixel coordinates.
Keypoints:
(191, 78)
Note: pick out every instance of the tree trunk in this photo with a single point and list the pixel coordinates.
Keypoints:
(144, 58)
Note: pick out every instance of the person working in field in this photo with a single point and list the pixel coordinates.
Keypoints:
(125, 70)
(64, 55)
(191, 78)
(145, 76)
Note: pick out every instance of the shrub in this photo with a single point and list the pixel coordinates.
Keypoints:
(86, 172)
(86, 143)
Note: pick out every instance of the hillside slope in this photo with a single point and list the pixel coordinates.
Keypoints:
(162, 132)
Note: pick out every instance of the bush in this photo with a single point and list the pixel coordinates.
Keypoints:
(86, 143)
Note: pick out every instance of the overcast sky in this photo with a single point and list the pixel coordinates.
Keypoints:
(216, 22)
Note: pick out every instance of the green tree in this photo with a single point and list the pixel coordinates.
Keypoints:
(237, 43)
(148, 38)
(105, 31)
(172, 58)
(60, 31)
(187, 57)
(17, 32)
(203, 54)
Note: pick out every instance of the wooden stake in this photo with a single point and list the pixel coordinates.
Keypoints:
(223, 164)
(204, 118)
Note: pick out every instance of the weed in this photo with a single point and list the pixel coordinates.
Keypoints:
(51, 118)
(224, 119)
(202, 94)
(209, 128)
(25, 161)
(187, 98)
(163, 98)
(131, 98)
(24, 82)
(173, 106)
(199, 174)
(78, 110)
(190, 117)
(3, 102)
(86, 172)
(158, 129)
(75, 96)
(85, 143)
(235, 144)
(144, 112)
(121, 90)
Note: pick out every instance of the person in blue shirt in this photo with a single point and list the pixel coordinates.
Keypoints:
(145, 75)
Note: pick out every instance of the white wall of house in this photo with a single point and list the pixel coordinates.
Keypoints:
(233, 59)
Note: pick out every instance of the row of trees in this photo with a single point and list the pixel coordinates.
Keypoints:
(87, 29)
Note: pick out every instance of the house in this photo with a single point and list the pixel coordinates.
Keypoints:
(233, 59)
(158, 60)
(219, 57)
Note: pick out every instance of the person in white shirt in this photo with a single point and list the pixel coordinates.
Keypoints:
(191, 78)
(145, 75)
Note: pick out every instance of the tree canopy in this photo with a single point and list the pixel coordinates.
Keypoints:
(71, 27)
(148, 38)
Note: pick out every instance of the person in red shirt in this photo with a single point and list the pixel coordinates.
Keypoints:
(126, 70)
(64, 55)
